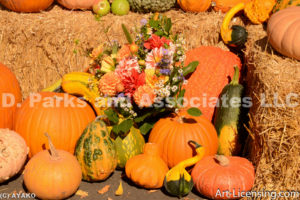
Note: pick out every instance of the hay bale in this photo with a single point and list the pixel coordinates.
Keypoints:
(274, 142)
(41, 47)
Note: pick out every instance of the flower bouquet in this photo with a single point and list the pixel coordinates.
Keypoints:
(141, 81)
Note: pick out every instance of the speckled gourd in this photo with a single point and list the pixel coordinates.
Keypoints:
(145, 6)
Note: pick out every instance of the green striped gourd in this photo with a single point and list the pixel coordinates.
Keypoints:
(282, 4)
(130, 146)
(96, 152)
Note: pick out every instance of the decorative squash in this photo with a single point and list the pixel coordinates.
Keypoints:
(10, 95)
(214, 175)
(284, 32)
(63, 116)
(282, 4)
(148, 169)
(178, 182)
(227, 117)
(237, 35)
(130, 146)
(194, 5)
(96, 152)
(78, 4)
(13, 153)
(53, 174)
(146, 6)
(258, 11)
(225, 5)
(173, 133)
(210, 77)
(26, 5)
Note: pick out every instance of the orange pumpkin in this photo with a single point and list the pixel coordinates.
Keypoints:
(174, 133)
(214, 175)
(78, 4)
(55, 114)
(10, 96)
(147, 170)
(212, 74)
(284, 32)
(226, 5)
(194, 5)
(26, 5)
(54, 174)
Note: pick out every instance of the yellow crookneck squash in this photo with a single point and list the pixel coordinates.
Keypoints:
(178, 182)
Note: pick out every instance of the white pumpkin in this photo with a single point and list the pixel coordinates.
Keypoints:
(13, 154)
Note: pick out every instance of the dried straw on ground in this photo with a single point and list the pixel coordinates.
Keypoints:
(42, 47)
(274, 145)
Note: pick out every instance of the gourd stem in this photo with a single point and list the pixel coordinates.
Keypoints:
(53, 151)
(222, 160)
(235, 79)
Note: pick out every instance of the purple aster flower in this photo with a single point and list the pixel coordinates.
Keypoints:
(165, 51)
(165, 71)
(144, 22)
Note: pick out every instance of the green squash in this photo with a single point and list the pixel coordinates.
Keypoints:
(146, 6)
(239, 36)
(228, 116)
(178, 182)
(96, 152)
(130, 146)
(282, 4)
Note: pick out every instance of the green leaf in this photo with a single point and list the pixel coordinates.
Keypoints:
(190, 68)
(125, 125)
(154, 24)
(127, 34)
(181, 93)
(159, 33)
(146, 127)
(168, 25)
(112, 115)
(194, 112)
(143, 117)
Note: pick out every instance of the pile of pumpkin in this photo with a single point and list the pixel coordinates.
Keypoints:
(66, 142)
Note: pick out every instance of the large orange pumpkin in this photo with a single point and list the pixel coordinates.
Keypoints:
(214, 175)
(194, 5)
(205, 85)
(174, 133)
(52, 113)
(10, 96)
(284, 32)
(26, 5)
(78, 4)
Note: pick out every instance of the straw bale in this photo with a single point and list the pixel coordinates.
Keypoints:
(274, 142)
(41, 47)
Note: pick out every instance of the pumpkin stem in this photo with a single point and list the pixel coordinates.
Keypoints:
(180, 119)
(53, 151)
(222, 160)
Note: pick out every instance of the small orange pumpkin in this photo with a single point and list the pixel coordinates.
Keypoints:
(173, 134)
(52, 175)
(147, 170)
(10, 96)
(194, 5)
(214, 175)
(26, 5)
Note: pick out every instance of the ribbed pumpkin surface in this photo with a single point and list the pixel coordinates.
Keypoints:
(26, 5)
(210, 177)
(96, 152)
(173, 135)
(212, 74)
(9, 87)
(64, 123)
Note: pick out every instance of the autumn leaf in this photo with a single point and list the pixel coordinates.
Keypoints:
(82, 193)
(151, 191)
(104, 189)
(108, 198)
(119, 191)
